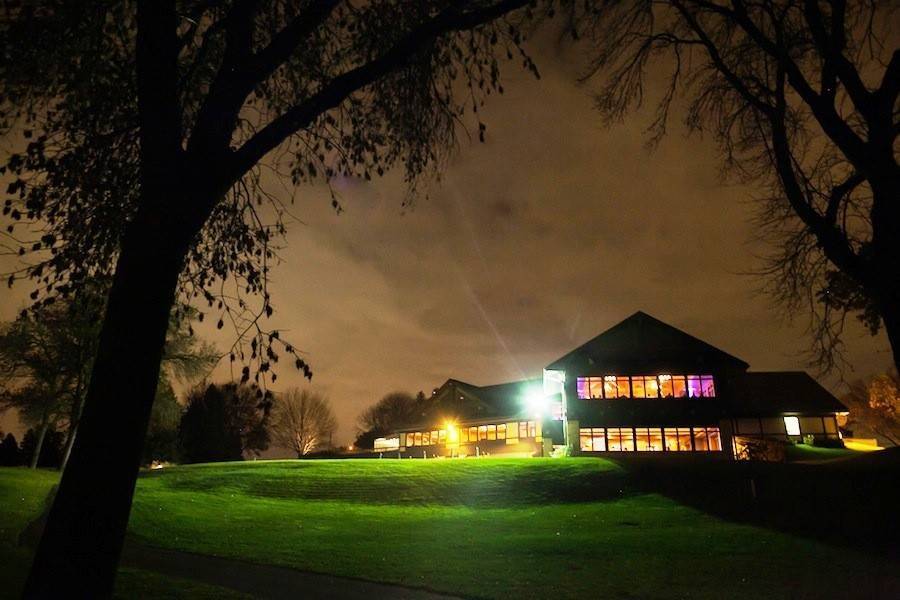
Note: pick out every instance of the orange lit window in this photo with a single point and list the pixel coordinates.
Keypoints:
(596, 387)
(671, 435)
(715, 440)
(592, 440)
(624, 387)
(482, 432)
(679, 386)
(418, 438)
(426, 438)
(492, 432)
(684, 439)
(501, 431)
(463, 435)
(701, 441)
(637, 387)
(442, 436)
(651, 387)
(610, 389)
(473, 434)
(665, 386)
(619, 439)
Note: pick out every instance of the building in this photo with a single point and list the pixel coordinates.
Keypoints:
(640, 386)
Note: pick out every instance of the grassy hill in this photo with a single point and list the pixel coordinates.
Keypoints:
(490, 528)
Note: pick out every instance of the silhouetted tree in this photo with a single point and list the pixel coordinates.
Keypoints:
(875, 405)
(223, 423)
(42, 448)
(9, 451)
(302, 421)
(393, 411)
(801, 96)
(145, 122)
(162, 433)
(42, 355)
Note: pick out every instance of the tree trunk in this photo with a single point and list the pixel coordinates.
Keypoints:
(73, 429)
(890, 315)
(79, 551)
(39, 444)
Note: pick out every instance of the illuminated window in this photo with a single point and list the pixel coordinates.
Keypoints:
(383, 444)
(532, 429)
(620, 439)
(492, 432)
(637, 387)
(792, 425)
(694, 390)
(624, 388)
(596, 387)
(463, 435)
(434, 437)
(473, 434)
(684, 439)
(671, 436)
(523, 429)
(679, 386)
(501, 431)
(610, 388)
(665, 386)
(648, 439)
(417, 436)
(651, 387)
(830, 424)
(442, 436)
(715, 440)
(707, 386)
(426, 438)
(482, 432)
(701, 442)
(581, 386)
(592, 440)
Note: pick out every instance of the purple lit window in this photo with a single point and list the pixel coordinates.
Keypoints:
(709, 388)
(694, 390)
(582, 385)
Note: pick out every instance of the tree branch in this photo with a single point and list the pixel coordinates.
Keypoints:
(341, 86)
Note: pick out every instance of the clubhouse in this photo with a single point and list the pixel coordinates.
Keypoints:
(641, 386)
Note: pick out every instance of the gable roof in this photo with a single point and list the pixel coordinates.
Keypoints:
(774, 393)
(462, 400)
(643, 342)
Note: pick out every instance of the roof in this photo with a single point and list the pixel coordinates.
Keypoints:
(769, 393)
(643, 342)
(463, 401)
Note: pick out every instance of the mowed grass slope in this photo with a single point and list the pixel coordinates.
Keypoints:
(23, 493)
(490, 528)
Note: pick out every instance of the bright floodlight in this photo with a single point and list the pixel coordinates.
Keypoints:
(536, 402)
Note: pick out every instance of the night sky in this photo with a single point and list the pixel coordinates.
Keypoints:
(533, 242)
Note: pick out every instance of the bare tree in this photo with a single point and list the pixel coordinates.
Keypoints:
(302, 421)
(801, 96)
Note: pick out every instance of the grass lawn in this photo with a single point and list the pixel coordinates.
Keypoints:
(492, 528)
(805, 452)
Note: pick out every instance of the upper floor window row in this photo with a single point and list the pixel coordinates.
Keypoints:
(646, 386)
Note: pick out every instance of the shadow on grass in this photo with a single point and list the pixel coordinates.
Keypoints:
(850, 502)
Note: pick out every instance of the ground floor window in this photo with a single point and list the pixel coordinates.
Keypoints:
(650, 439)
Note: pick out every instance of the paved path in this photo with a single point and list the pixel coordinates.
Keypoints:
(263, 581)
